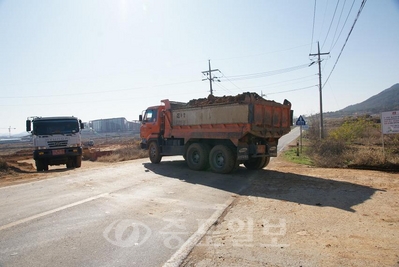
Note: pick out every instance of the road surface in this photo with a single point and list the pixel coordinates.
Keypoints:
(123, 214)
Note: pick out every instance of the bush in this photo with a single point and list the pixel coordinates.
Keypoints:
(354, 142)
(357, 130)
(367, 156)
(3, 165)
(328, 153)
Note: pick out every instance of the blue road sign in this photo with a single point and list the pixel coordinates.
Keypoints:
(300, 121)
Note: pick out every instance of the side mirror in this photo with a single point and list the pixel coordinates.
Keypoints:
(82, 125)
(28, 126)
(140, 117)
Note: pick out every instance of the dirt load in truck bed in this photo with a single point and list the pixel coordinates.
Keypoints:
(211, 99)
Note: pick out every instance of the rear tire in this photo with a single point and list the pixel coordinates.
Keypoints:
(222, 159)
(266, 162)
(255, 163)
(154, 152)
(78, 161)
(197, 156)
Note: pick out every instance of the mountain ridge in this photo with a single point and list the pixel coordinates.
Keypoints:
(386, 100)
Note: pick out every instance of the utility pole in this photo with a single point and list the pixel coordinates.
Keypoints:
(9, 130)
(320, 89)
(209, 76)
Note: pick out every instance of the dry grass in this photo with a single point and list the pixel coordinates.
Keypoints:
(129, 151)
(328, 153)
(3, 165)
(356, 142)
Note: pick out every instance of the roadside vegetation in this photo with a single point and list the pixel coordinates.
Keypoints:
(128, 151)
(354, 142)
(3, 165)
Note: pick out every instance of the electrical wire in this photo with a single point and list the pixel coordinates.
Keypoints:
(339, 20)
(292, 90)
(224, 88)
(347, 38)
(314, 19)
(343, 26)
(101, 101)
(265, 74)
(260, 54)
(332, 21)
(230, 80)
(283, 83)
(98, 92)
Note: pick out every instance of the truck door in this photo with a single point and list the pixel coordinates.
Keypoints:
(151, 123)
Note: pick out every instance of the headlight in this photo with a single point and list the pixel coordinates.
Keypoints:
(41, 147)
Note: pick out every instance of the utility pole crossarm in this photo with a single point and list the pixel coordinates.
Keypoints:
(209, 74)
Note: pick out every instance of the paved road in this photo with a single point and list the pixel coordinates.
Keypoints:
(126, 214)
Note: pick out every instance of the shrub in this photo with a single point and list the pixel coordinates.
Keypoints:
(367, 156)
(357, 130)
(328, 153)
(3, 165)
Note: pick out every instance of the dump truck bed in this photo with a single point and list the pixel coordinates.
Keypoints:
(233, 117)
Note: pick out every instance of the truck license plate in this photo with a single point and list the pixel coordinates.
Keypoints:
(58, 152)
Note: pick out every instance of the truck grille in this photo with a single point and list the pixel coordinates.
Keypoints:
(60, 143)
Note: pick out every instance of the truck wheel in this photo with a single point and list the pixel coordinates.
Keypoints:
(70, 163)
(78, 161)
(39, 165)
(266, 162)
(255, 163)
(197, 156)
(154, 153)
(222, 159)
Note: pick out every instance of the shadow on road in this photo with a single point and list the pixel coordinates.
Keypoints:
(265, 183)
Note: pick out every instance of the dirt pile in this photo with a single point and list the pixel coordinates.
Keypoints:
(211, 99)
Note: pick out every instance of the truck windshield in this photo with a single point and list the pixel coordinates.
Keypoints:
(50, 127)
(150, 115)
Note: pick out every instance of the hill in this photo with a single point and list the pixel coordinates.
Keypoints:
(387, 100)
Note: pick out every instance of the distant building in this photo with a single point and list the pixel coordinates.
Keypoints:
(114, 125)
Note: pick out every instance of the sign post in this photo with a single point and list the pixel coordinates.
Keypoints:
(300, 121)
(389, 125)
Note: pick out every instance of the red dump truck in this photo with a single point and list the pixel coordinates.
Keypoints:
(216, 132)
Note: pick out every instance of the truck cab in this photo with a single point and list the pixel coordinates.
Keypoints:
(57, 140)
(151, 125)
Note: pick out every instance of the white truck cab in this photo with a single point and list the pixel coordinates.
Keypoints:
(57, 140)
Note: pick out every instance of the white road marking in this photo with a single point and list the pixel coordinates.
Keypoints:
(9, 225)
(180, 255)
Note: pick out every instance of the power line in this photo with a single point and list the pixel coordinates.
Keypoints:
(332, 21)
(339, 20)
(347, 38)
(102, 101)
(314, 19)
(224, 88)
(343, 26)
(265, 74)
(292, 90)
(99, 92)
(230, 81)
(261, 54)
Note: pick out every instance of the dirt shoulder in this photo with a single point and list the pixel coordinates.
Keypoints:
(302, 216)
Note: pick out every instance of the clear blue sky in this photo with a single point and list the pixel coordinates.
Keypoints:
(105, 59)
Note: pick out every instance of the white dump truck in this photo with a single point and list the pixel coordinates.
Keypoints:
(57, 140)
